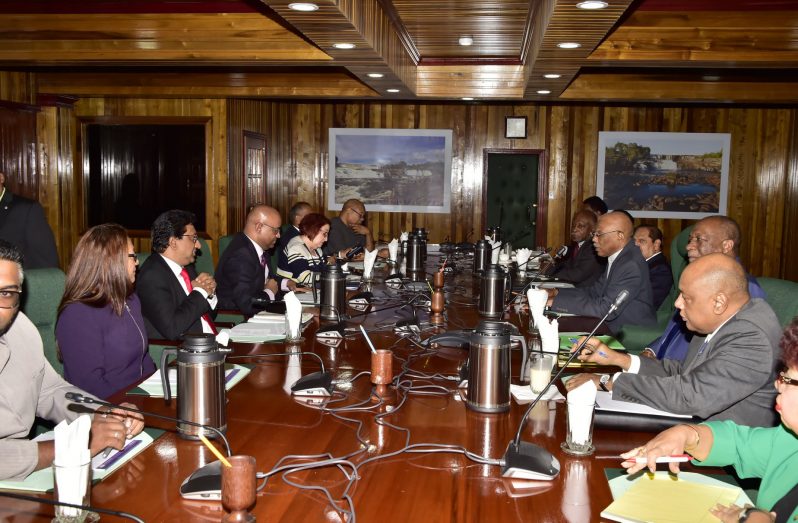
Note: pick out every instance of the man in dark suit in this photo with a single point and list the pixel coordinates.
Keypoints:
(22, 223)
(295, 214)
(626, 270)
(581, 266)
(174, 298)
(731, 363)
(243, 271)
(648, 239)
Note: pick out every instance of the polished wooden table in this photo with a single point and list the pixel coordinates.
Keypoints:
(265, 421)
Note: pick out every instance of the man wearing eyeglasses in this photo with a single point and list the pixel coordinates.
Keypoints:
(174, 298)
(731, 363)
(626, 270)
(710, 235)
(245, 282)
(29, 386)
(347, 231)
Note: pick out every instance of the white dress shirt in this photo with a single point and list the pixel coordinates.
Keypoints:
(177, 269)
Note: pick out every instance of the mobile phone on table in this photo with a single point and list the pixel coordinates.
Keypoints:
(354, 251)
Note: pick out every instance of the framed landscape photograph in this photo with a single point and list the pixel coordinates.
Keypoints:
(664, 175)
(391, 170)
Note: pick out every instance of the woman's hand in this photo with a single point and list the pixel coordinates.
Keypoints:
(673, 441)
(731, 514)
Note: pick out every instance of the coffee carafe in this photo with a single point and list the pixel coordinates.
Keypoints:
(481, 255)
(421, 234)
(201, 395)
(492, 289)
(489, 368)
(333, 292)
(415, 262)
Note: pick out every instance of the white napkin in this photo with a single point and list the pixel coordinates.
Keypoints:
(403, 236)
(549, 334)
(494, 251)
(581, 402)
(369, 257)
(223, 338)
(537, 299)
(72, 456)
(293, 314)
(522, 393)
(393, 249)
(522, 257)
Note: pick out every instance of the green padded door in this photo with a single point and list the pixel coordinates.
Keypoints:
(512, 197)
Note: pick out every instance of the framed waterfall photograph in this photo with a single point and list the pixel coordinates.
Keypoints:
(391, 170)
(664, 175)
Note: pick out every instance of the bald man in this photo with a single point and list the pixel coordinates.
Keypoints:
(347, 230)
(626, 270)
(242, 276)
(731, 362)
(582, 265)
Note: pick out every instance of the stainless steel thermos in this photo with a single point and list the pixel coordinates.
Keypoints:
(481, 255)
(492, 289)
(333, 292)
(201, 395)
(489, 368)
(414, 258)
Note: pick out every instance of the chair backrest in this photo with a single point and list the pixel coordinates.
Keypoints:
(782, 295)
(224, 242)
(142, 256)
(42, 292)
(204, 261)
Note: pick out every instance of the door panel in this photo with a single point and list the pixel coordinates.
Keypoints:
(512, 196)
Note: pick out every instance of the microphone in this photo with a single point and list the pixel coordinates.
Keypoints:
(562, 252)
(56, 503)
(528, 461)
(77, 397)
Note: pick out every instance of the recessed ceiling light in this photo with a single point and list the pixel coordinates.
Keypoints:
(392, 90)
(544, 91)
(303, 6)
(465, 40)
(552, 76)
(592, 4)
(569, 45)
(344, 45)
(375, 75)
(467, 98)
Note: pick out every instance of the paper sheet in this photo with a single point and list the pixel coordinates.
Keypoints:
(604, 401)
(153, 386)
(642, 502)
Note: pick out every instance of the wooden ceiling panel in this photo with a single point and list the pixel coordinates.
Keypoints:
(486, 81)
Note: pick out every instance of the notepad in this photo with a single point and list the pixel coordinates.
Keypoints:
(642, 501)
(153, 386)
(102, 467)
(273, 317)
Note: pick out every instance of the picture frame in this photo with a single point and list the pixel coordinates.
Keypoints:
(391, 170)
(515, 126)
(664, 175)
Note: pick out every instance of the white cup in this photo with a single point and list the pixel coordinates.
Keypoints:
(293, 335)
(73, 485)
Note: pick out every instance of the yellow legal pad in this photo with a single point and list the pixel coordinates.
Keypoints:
(662, 499)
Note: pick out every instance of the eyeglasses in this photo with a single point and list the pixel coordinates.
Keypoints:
(786, 380)
(133, 256)
(361, 214)
(194, 237)
(275, 230)
(697, 239)
(9, 299)
(596, 234)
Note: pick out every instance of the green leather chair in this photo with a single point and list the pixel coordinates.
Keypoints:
(142, 256)
(782, 295)
(41, 293)
(204, 261)
(636, 338)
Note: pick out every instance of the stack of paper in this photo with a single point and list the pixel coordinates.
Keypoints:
(273, 317)
(605, 402)
(153, 386)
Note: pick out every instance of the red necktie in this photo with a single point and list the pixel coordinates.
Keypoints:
(576, 250)
(184, 274)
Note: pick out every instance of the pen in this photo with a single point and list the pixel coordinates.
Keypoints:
(588, 349)
(676, 458)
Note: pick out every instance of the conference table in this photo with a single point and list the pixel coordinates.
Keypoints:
(355, 426)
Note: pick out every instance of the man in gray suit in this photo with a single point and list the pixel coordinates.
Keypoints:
(731, 361)
(626, 270)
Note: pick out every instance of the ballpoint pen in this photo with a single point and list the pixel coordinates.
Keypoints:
(588, 349)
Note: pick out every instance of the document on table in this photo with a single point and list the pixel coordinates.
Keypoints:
(567, 340)
(638, 498)
(153, 386)
(273, 317)
(605, 402)
(102, 467)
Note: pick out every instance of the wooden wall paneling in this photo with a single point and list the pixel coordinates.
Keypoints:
(18, 149)
(49, 181)
(18, 87)
(71, 204)
(789, 253)
(559, 172)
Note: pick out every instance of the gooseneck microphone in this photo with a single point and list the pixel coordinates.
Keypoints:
(56, 503)
(76, 397)
(529, 461)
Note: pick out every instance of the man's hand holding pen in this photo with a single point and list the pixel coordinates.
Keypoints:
(111, 428)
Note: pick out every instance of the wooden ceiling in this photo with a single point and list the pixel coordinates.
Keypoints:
(631, 51)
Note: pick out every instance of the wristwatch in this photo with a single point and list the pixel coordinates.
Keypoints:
(746, 513)
(603, 380)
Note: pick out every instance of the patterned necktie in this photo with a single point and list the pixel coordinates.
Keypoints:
(263, 259)
(184, 274)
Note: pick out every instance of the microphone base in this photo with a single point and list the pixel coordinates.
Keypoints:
(528, 461)
(204, 484)
(314, 384)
